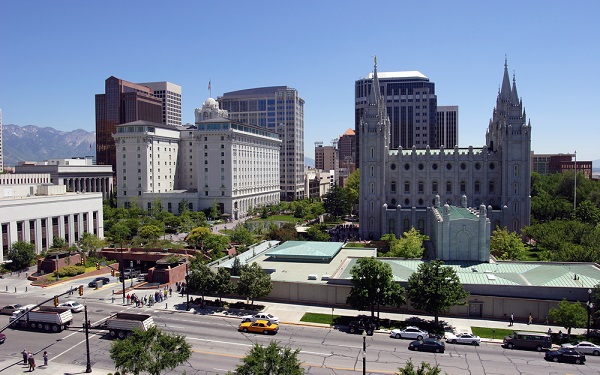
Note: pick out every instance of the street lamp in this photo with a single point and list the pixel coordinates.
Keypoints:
(122, 274)
(590, 306)
(187, 287)
(88, 368)
(364, 353)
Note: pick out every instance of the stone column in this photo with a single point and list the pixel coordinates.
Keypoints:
(13, 236)
(1, 245)
(38, 236)
(61, 227)
(26, 231)
(49, 232)
(71, 223)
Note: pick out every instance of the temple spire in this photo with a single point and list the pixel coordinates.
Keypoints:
(505, 90)
(514, 95)
(374, 96)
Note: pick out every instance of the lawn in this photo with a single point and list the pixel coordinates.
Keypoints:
(491, 333)
(318, 318)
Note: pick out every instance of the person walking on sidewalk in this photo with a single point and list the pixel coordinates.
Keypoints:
(45, 359)
(25, 356)
(530, 319)
(512, 320)
(31, 361)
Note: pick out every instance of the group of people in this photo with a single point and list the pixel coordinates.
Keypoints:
(158, 296)
(344, 232)
(529, 320)
(29, 359)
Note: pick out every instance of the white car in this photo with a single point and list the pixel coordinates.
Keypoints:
(74, 306)
(584, 347)
(260, 316)
(463, 338)
(410, 332)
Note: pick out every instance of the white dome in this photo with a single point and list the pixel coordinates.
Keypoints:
(210, 102)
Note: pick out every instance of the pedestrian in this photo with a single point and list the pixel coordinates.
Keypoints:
(547, 320)
(512, 320)
(128, 298)
(170, 291)
(530, 319)
(45, 358)
(25, 356)
(31, 362)
(550, 331)
(560, 336)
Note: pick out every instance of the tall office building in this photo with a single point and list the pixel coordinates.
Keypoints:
(279, 109)
(327, 158)
(170, 94)
(1, 157)
(411, 106)
(447, 125)
(347, 150)
(121, 103)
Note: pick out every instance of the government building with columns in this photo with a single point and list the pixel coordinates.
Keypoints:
(35, 211)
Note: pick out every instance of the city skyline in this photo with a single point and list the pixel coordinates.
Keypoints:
(56, 56)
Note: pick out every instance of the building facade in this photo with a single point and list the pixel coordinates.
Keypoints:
(122, 102)
(77, 174)
(279, 109)
(398, 185)
(216, 161)
(35, 211)
(1, 157)
(546, 164)
(447, 125)
(326, 158)
(318, 182)
(170, 94)
(347, 151)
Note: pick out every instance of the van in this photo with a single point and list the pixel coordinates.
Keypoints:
(528, 340)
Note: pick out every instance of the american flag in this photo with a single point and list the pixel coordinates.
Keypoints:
(209, 85)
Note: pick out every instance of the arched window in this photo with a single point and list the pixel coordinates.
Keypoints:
(372, 187)
(515, 225)
(372, 206)
(516, 170)
(394, 202)
(393, 187)
(477, 187)
(391, 226)
(463, 187)
(372, 152)
(406, 225)
(434, 187)
(491, 187)
(421, 187)
(371, 223)
(516, 188)
(421, 225)
(372, 171)
(448, 187)
(516, 207)
(406, 187)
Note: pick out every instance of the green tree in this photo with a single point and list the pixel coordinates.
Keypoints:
(336, 202)
(569, 315)
(150, 232)
(242, 235)
(506, 245)
(353, 187)
(318, 232)
(119, 233)
(434, 288)
(89, 243)
(286, 232)
(152, 351)
(254, 282)
(587, 212)
(197, 236)
(201, 277)
(424, 369)
(270, 360)
(410, 245)
(373, 285)
(236, 267)
(215, 212)
(222, 283)
(21, 254)
(216, 243)
(58, 243)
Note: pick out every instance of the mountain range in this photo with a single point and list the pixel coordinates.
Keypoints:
(32, 143)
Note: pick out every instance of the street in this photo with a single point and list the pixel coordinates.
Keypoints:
(218, 346)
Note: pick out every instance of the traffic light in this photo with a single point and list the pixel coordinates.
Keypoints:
(82, 261)
(81, 290)
(112, 272)
(55, 301)
(97, 265)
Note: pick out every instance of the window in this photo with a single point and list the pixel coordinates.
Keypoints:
(516, 188)
(406, 225)
(421, 187)
(372, 171)
(477, 187)
(393, 166)
(434, 187)
(372, 152)
(491, 187)
(516, 170)
(406, 187)
(372, 188)
(406, 167)
(448, 187)
(463, 187)
(434, 166)
(393, 187)
(449, 166)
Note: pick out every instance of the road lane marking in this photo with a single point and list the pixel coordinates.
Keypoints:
(249, 345)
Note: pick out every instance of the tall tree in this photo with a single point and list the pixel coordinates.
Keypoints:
(569, 315)
(506, 245)
(150, 232)
(353, 187)
(424, 369)
(336, 202)
(410, 245)
(119, 233)
(434, 288)
(58, 243)
(152, 351)
(201, 277)
(373, 285)
(254, 282)
(318, 232)
(242, 235)
(89, 242)
(270, 360)
(21, 255)
(222, 283)
(197, 236)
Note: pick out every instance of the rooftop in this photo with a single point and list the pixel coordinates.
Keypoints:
(404, 74)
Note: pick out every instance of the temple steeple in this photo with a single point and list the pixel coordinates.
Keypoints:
(505, 90)
(514, 96)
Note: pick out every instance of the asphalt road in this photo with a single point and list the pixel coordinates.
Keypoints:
(218, 346)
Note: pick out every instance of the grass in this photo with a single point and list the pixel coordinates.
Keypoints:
(491, 333)
(289, 218)
(319, 318)
(355, 244)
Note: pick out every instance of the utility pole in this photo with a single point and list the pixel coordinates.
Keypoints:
(88, 369)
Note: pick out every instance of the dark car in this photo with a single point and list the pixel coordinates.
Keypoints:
(428, 345)
(358, 326)
(2, 338)
(565, 355)
(94, 283)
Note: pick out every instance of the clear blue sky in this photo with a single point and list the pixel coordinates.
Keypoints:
(55, 56)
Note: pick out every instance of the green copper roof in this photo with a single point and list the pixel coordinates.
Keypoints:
(305, 250)
(459, 213)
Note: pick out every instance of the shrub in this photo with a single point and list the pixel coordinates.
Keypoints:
(69, 271)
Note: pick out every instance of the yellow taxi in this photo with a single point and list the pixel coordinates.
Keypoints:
(259, 326)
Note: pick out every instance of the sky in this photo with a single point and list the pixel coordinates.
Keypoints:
(56, 55)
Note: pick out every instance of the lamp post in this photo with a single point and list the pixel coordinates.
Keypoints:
(590, 306)
(57, 275)
(187, 287)
(122, 274)
(88, 368)
(364, 353)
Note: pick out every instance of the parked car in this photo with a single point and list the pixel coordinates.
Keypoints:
(2, 338)
(584, 347)
(73, 305)
(358, 326)
(463, 338)
(428, 345)
(528, 340)
(94, 283)
(260, 316)
(409, 333)
(565, 355)
(9, 309)
(259, 326)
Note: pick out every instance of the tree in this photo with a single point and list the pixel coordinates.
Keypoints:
(21, 254)
(434, 288)
(587, 212)
(216, 243)
(507, 246)
(201, 277)
(89, 242)
(222, 283)
(152, 351)
(241, 235)
(318, 233)
(270, 360)
(287, 232)
(424, 369)
(254, 282)
(120, 232)
(336, 202)
(373, 285)
(58, 243)
(569, 315)
(214, 212)
(197, 236)
(150, 232)
(408, 246)
(353, 187)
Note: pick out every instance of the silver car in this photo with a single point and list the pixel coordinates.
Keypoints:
(584, 347)
(410, 332)
(463, 338)
(260, 316)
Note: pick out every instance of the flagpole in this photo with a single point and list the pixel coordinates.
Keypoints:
(575, 183)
